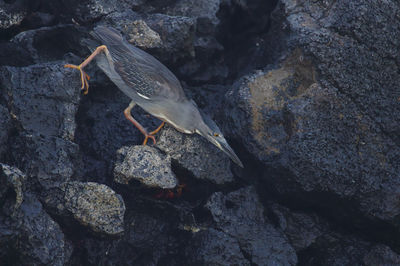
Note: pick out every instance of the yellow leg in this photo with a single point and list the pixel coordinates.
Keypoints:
(85, 77)
(158, 129)
(127, 113)
(152, 133)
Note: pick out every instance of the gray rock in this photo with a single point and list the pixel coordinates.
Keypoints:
(240, 215)
(93, 10)
(100, 8)
(323, 128)
(141, 35)
(145, 164)
(26, 230)
(13, 178)
(197, 155)
(11, 14)
(95, 205)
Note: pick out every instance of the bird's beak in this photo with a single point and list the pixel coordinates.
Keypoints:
(223, 145)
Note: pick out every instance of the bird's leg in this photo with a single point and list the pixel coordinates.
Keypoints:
(158, 129)
(85, 77)
(127, 113)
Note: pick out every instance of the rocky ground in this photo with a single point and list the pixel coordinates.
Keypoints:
(307, 93)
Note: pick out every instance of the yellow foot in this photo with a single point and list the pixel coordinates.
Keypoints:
(84, 77)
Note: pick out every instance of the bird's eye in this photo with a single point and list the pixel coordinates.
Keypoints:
(216, 135)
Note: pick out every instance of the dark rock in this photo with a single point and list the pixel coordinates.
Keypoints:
(28, 235)
(41, 239)
(170, 37)
(145, 164)
(359, 50)
(48, 44)
(44, 99)
(381, 254)
(301, 229)
(102, 129)
(95, 9)
(21, 57)
(202, 10)
(94, 205)
(322, 127)
(317, 244)
(316, 125)
(213, 247)
(337, 251)
(240, 215)
(146, 240)
(5, 127)
(196, 154)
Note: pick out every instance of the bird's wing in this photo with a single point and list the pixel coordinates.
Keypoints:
(138, 69)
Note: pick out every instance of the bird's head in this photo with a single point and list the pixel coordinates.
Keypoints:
(208, 129)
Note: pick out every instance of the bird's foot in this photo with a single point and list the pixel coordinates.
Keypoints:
(84, 77)
(152, 133)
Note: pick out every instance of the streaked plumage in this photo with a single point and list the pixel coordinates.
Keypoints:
(153, 87)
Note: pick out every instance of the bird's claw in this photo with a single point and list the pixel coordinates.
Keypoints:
(84, 77)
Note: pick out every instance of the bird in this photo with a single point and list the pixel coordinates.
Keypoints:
(150, 85)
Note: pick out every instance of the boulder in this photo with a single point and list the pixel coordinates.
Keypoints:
(94, 205)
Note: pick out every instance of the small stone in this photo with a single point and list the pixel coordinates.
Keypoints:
(96, 206)
(145, 164)
(11, 176)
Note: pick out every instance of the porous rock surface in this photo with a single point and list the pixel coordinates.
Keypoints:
(320, 116)
(95, 205)
(305, 91)
(145, 164)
